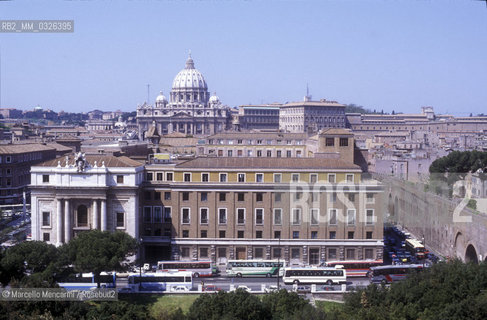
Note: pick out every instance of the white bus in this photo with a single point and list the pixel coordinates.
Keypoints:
(87, 281)
(314, 275)
(198, 268)
(255, 268)
(159, 281)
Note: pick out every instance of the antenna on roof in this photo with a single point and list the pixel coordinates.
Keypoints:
(307, 97)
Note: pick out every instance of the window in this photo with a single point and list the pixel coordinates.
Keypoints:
(222, 234)
(277, 177)
(147, 195)
(333, 216)
(276, 252)
(330, 142)
(332, 254)
(314, 216)
(351, 197)
(203, 215)
(46, 219)
(369, 254)
(185, 252)
(277, 234)
(239, 153)
(46, 236)
(370, 217)
(8, 159)
(349, 177)
(350, 254)
(370, 198)
(295, 234)
(167, 214)
(119, 179)
(351, 217)
(259, 196)
(277, 197)
(259, 153)
(331, 178)
(295, 253)
(185, 215)
(204, 196)
(240, 234)
(258, 253)
(147, 214)
(222, 216)
(230, 153)
(279, 153)
(240, 216)
(205, 177)
(185, 196)
(169, 176)
(295, 177)
(350, 235)
(368, 235)
(187, 177)
(333, 234)
(240, 196)
(157, 212)
(157, 195)
(148, 176)
(222, 196)
(223, 177)
(296, 216)
(120, 220)
(288, 154)
(159, 176)
(203, 252)
(314, 234)
(45, 178)
(204, 234)
(343, 142)
(82, 218)
(185, 233)
(258, 234)
(277, 216)
(167, 195)
(259, 177)
(259, 216)
(313, 178)
(269, 153)
(241, 177)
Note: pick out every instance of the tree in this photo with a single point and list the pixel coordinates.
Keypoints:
(96, 251)
(283, 303)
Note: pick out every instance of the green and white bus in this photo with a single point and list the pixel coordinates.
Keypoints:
(255, 268)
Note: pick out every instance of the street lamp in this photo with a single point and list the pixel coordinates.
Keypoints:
(279, 263)
(424, 251)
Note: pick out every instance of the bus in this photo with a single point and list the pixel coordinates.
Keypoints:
(355, 268)
(308, 275)
(389, 274)
(198, 268)
(416, 248)
(87, 281)
(159, 281)
(255, 268)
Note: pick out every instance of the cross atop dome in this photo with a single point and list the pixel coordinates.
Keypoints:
(189, 62)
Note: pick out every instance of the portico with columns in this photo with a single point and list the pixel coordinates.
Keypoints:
(69, 197)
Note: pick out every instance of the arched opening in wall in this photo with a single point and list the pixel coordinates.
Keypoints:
(471, 254)
(459, 245)
(82, 216)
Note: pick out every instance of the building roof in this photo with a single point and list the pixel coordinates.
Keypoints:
(257, 135)
(110, 161)
(23, 148)
(59, 147)
(323, 103)
(336, 131)
(267, 163)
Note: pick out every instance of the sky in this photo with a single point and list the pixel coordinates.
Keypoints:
(382, 54)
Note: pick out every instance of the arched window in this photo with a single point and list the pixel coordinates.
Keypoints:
(82, 218)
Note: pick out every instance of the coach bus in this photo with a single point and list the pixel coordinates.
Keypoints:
(308, 275)
(389, 274)
(355, 268)
(87, 281)
(198, 268)
(160, 281)
(255, 268)
(416, 248)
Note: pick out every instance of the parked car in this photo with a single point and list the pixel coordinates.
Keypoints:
(179, 289)
(211, 288)
(269, 289)
(303, 289)
(242, 287)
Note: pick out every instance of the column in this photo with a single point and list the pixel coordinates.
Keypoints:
(103, 215)
(67, 221)
(95, 214)
(59, 223)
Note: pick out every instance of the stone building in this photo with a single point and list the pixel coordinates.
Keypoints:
(190, 109)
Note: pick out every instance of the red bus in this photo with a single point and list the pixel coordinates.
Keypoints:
(355, 268)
